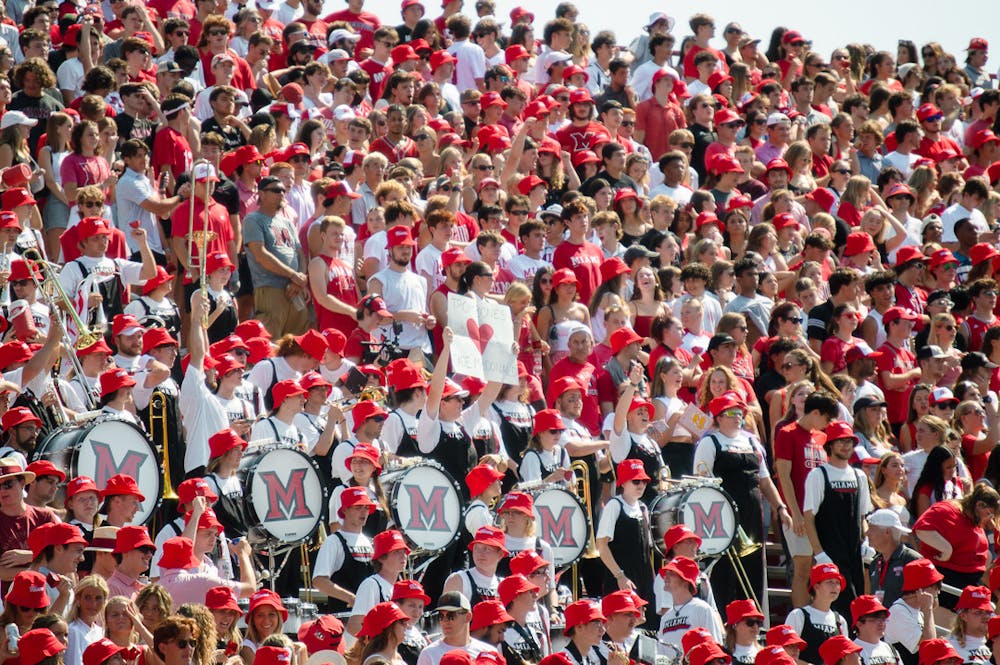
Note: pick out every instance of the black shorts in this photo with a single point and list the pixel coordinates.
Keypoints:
(246, 280)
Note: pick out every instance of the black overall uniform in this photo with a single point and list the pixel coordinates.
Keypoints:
(632, 548)
(356, 568)
(652, 462)
(814, 636)
(838, 526)
(740, 478)
(515, 440)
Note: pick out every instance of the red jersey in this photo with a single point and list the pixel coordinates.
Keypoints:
(804, 449)
(577, 138)
(502, 279)
(895, 361)
(914, 299)
(379, 73)
(690, 71)
(585, 262)
(341, 285)
(977, 328)
(835, 350)
(170, 148)
(218, 224)
(364, 23)
(395, 152)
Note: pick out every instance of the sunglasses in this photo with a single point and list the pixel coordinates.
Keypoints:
(735, 124)
(217, 33)
(8, 484)
(182, 33)
(184, 644)
(842, 171)
(484, 167)
(789, 365)
(754, 623)
(639, 482)
(25, 610)
(20, 282)
(421, 137)
(793, 319)
(732, 413)
(280, 190)
(445, 615)
(520, 213)
(628, 123)
(687, 146)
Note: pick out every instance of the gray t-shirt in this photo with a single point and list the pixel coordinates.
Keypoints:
(132, 189)
(279, 238)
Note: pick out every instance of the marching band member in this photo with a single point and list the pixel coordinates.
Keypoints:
(288, 398)
(410, 596)
(154, 308)
(409, 393)
(22, 287)
(345, 558)
(620, 632)
(968, 635)
(20, 427)
(368, 417)
(93, 359)
(679, 540)
(839, 650)
(623, 536)
(517, 512)
(911, 617)
(126, 333)
(545, 459)
(689, 611)
(490, 622)
(239, 404)
(222, 486)
(479, 581)
(527, 635)
(512, 414)
(868, 618)
(388, 561)
(334, 365)
(296, 355)
(454, 612)
(110, 294)
(483, 483)
(222, 311)
(154, 374)
(743, 622)
(312, 421)
(203, 414)
(730, 453)
(787, 638)
(365, 468)
(82, 501)
(585, 628)
(816, 621)
(629, 437)
(116, 395)
(187, 492)
(938, 652)
(121, 498)
(538, 571)
(381, 634)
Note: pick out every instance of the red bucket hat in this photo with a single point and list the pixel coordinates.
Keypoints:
(122, 485)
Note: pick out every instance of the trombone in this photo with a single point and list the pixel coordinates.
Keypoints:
(159, 422)
(739, 549)
(581, 487)
(200, 239)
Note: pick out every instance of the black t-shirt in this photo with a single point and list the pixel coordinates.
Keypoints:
(232, 136)
(610, 95)
(703, 137)
(37, 108)
(819, 318)
(130, 127)
(228, 196)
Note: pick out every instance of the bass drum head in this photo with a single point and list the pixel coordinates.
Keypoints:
(708, 511)
(426, 506)
(561, 521)
(106, 448)
(284, 494)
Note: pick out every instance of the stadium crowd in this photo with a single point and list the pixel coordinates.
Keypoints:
(753, 289)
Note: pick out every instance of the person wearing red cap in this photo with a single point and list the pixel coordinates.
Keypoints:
(836, 500)
(911, 617)
(816, 621)
(659, 114)
(896, 364)
(688, 611)
(743, 624)
(528, 635)
(133, 553)
(404, 292)
(344, 560)
(480, 580)
(868, 618)
(390, 554)
(336, 303)
(968, 637)
(719, 454)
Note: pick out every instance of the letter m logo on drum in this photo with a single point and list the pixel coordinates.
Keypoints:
(105, 465)
(708, 520)
(428, 511)
(287, 500)
(557, 531)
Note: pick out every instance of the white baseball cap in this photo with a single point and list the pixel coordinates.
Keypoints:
(887, 518)
(12, 118)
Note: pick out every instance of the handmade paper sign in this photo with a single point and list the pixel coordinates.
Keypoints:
(484, 339)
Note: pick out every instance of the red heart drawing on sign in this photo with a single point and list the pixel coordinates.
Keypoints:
(479, 334)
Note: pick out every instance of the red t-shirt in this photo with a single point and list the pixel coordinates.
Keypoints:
(585, 262)
(170, 148)
(586, 375)
(341, 285)
(895, 361)
(364, 23)
(354, 347)
(969, 545)
(395, 151)
(804, 449)
(658, 121)
(218, 223)
(835, 350)
(977, 463)
(575, 138)
(690, 71)
(379, 73)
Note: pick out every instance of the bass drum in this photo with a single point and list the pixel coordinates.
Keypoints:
(707, 510)
(104, 448)
(283, 493)
(426, 505)
(561, 521)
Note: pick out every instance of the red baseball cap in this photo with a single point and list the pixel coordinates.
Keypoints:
(399, 236)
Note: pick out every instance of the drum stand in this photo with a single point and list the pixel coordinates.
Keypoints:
(272, 573)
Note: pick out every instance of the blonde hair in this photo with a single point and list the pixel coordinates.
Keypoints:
(88, 582)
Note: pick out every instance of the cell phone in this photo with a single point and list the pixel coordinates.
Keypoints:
(355, 381)
(52, 579)
(136, 224)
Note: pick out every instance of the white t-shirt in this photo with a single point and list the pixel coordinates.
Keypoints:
(621, 444)
(976, 649)
(523, 267)
(431, 655)
(203, 416)
(428, 265)
(71, 275)
(695, 613)
(373, 590)
(610, 513)
(956, 212)
(471, 64)
(331, 555)
(396, 424)
(905, 626)
(69, 76)
(879, 653)
(847, 477)
(704, 452)
(828, 622)
(534, 460)
(338, 462)
(80, 637)
(486, 586)
(272, 429)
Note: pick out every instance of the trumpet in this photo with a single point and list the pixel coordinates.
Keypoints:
(581, 487)
(53, 290)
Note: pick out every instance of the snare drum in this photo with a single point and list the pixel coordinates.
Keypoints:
(707, 510)
(294, 620)
(283, 493)
(426, 505)
(103, 448)
(561, 521)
